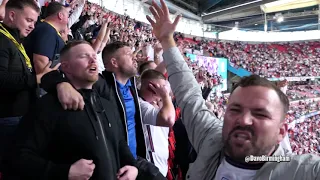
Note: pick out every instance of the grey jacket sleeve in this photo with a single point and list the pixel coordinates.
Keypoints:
(203, 128)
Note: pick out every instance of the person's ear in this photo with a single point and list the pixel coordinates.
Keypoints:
(65, 67)
(60, 15)
(283, 130)
(114, 62)
(12, 15)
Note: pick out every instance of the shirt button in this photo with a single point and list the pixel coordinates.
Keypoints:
(188, 176)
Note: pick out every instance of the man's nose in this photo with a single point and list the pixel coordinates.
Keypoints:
(245, 119)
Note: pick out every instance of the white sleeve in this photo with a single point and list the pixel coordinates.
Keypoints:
(74, 17)
(150, 53)
(148, 113)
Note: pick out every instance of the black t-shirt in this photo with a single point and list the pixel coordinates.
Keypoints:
(43, 40)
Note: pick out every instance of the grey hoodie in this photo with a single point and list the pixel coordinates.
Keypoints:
(205, 131)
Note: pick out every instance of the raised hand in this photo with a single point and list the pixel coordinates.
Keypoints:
(162, 91)
(163, 28)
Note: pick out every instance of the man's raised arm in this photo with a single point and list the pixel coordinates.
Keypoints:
(203, 128)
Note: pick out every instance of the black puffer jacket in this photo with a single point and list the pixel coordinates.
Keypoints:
(50, 140)
(17, 83)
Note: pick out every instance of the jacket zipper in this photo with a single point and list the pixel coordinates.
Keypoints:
(125, 116)
(103, 136)
(102, 132)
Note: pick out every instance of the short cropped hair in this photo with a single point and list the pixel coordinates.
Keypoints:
(152, 74)
(70, 45)
(53, 8)
(20, 4)
(111, 49)
(144, 66)
(255, 80)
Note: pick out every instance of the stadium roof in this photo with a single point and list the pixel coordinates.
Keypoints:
(250, 14)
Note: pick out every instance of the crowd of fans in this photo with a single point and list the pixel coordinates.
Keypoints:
(268, 60)
(303, 92)
(273, 60)
(305, 136)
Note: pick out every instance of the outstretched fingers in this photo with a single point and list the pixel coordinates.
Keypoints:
(176, 21)
(165, 9)
(158, 9)
(151, 21)
(154, 13)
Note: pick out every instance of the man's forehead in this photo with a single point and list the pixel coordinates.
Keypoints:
(26, 9)
(125, 49)
(66, 9)
(255, 97)
(81, 49)
(161, 82)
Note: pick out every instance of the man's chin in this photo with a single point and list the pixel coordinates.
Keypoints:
(93, 78)
(23, 35)
(238, 152)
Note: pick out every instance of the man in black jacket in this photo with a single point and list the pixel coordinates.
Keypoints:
(53, 143)
(120, 82)
(17, 81)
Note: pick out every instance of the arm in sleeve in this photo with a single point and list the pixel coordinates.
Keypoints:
(203, 128)
(34, 135)
(44, 45)
(50, 80)
(148, 113)
(76, 13)
(13, 81)
(167, 114)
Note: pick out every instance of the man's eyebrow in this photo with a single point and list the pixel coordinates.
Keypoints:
(235, 105)
(263, 110)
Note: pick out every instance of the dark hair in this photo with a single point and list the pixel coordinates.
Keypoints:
(152, 74)
(70, 45)
(53, 8)
(255, 80)
(144, 66)
(20, 4)
(112, 48)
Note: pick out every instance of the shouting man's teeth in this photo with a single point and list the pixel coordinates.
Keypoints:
(241, 136)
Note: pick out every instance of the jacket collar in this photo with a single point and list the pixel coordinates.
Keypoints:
(267, 168)
(14, 32)
(110, 76)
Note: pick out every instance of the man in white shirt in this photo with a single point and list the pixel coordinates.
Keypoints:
(153, 90)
